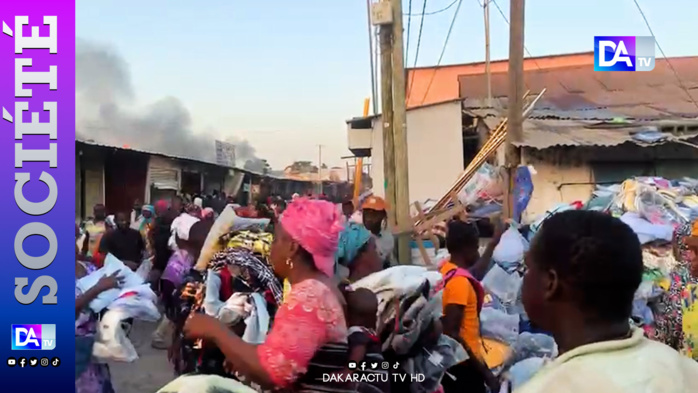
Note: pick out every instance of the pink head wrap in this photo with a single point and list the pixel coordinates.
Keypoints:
(316, 226)
(207, 212)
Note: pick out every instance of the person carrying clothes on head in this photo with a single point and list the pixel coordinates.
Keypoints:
(582, 272)
(309, 335)
(463, 297)
(375, 219)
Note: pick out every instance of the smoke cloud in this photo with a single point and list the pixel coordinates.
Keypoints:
(107, 114)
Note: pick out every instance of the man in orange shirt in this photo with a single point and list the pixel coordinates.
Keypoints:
(463, 297)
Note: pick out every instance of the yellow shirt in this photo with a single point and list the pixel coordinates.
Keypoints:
(632, 365)
(458, 290)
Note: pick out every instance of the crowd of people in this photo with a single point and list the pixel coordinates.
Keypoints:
(299, 274)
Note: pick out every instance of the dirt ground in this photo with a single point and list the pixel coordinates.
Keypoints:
(147, 374)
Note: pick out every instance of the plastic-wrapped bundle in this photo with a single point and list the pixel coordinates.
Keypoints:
(499, 325)
(503, 285)
(522, 371)
(529, 345)
(509, 253)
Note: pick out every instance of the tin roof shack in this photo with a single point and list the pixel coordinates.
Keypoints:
(571, 156)
(117, 176)
(441, 140)
(594, 127)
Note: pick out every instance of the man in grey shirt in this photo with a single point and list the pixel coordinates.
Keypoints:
(375, 219)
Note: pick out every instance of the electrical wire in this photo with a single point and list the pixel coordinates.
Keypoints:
(528, 53)
(416, 54)
(443, 51)
(676, 74)
(424, 13)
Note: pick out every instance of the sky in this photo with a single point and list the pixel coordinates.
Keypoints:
(285, 75)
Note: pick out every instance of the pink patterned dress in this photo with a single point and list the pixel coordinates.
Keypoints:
(310, 318)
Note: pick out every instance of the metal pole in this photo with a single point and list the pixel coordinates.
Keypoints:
(488, 72)
(371, 37)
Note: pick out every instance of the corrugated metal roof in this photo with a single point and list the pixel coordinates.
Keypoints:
(543, 134)
(94, 143)
(581, 93)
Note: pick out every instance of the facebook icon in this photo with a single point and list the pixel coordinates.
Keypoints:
(623, 53)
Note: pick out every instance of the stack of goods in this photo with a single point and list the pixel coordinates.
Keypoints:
(484, 192)
(655, 208)
(511, 344)
(409, 310)
(240, 289)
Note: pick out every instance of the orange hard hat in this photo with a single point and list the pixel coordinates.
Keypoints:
(375, 203)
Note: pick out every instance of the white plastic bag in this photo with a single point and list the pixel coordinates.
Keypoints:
(111, 343)
(137, 303)
(503, 285)
(511, 247)
(144, 269)
(111, 265)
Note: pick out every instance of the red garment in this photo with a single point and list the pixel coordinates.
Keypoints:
(247, 212)
(226, 290)
(98, 259)
(309, 318)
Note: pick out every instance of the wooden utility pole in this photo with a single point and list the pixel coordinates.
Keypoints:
(387, 117)
(515, 101)
(488, 72)
(402, 187)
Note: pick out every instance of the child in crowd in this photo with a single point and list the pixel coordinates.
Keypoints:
(365, 355)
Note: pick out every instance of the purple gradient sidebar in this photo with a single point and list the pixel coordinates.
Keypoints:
(37, 183)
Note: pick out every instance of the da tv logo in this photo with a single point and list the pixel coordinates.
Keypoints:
(33, 337)
(616, 53)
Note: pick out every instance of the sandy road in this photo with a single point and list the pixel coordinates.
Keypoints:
(147, 374)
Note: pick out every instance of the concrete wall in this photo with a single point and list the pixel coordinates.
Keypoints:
(554, 184)
(559, 183)
(435, 151)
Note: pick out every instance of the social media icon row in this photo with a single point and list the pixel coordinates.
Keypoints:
(373, 366)
(33, 362)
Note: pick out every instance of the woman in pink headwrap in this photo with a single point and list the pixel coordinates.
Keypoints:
(310, 324)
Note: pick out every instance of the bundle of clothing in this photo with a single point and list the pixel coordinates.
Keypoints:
(409, 312)
(239, 288)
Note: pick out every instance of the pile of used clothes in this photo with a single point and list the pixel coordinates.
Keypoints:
(240, 289)
(655, 208)
(409, 310)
